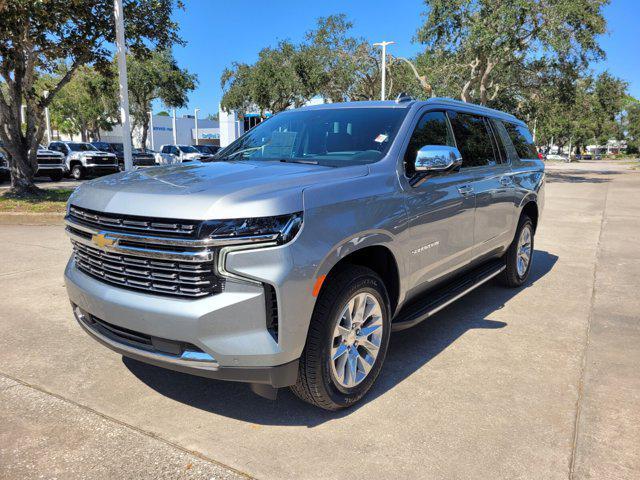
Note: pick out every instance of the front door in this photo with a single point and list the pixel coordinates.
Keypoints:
(440, 207)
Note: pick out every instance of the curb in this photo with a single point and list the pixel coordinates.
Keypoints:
(33, 218)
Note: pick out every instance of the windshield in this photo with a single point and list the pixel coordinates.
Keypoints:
(81, 147)
(101, 146)
(333, 137)
(187, 149)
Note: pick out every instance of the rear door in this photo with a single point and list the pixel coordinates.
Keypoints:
(492, 183)
(440, 206)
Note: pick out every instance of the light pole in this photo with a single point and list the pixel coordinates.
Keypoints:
(175, 133)
(196, 118)
(124, 88)
(153, 147)
(46, 117)
(384, 66)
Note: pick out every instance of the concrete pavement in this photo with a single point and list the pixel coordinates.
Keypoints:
(541, 382)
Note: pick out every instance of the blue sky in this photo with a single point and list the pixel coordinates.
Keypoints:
(220, 32)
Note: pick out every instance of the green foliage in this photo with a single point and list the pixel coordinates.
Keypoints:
(88, 103)
(487, 50)
(37, 36)
(156, 76)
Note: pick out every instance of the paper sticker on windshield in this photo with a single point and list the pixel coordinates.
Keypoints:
(381, 138)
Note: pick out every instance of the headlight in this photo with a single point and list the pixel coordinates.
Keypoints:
(280, 229)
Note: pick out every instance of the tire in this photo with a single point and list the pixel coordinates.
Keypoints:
(77, 172)
(56, 176)
(514, 275)
(322, 381)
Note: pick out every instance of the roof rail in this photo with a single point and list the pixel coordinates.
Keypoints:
(403, 97)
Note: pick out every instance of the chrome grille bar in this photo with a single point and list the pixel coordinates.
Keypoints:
(155, 276)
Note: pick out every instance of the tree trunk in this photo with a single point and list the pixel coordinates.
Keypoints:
(145, 130)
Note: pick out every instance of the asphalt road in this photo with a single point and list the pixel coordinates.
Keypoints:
(537, 383)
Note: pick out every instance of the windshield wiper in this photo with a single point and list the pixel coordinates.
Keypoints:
(294, 160)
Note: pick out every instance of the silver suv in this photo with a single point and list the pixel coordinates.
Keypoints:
(288, 261)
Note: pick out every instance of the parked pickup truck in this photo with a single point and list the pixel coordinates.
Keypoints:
(50, 164)
(289, 260)
(82, 159)
(140, 158)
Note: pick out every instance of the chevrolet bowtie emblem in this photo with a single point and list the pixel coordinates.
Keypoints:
(101, 240)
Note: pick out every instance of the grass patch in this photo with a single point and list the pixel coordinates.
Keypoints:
(49, 201)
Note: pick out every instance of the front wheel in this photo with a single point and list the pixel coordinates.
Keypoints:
(347, 340)
(519, 256)
(77, 172)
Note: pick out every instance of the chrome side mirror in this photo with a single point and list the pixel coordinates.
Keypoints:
(437, 158)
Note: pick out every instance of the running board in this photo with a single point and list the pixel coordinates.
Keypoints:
(435, 301)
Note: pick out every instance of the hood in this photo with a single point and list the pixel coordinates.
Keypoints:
(217, 190)
(52, 153)
(97, 154)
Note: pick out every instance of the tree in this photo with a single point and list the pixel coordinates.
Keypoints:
(633, 128)
(36, 36)
(278, 80)
(87, 104)
(156, 76)
(488, 47)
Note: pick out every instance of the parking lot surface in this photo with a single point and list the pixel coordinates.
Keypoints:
(537, 383)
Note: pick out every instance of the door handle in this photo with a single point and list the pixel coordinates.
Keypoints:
(465, 190)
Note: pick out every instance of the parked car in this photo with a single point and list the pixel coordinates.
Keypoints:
(182, 153)
(82, 159)
(558, 157)
(50, 163)
(208, 150)
(289, 260)
(140, 157)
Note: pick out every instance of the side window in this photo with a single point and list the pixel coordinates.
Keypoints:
(522, 140)
(174, 151)
(432, 129)
(502, 133)
(165, 149)
(473, 138)
(499, 143)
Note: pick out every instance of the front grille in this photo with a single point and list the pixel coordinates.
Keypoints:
(134, 224)
(161, 277)
(53, 160)
(102, 161)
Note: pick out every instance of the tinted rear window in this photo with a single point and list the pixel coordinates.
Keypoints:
(473, 138)
(522, 140)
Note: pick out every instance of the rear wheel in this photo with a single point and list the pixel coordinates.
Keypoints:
(347, 340)
(77, 172)
(519, 256)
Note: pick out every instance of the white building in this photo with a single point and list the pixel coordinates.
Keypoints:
(161, 132)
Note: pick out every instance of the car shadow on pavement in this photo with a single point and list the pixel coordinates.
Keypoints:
(579, 176)
(409, 351)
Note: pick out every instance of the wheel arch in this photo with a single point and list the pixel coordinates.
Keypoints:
(380, 259)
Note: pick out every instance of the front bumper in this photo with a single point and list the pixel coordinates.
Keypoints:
(202, 365)
(51, 167)
(229, 328)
